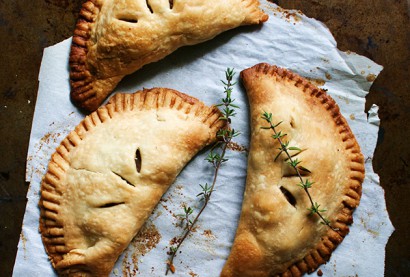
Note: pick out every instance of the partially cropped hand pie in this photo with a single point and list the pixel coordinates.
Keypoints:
(276, 236)
(114, 38)
(107, 175)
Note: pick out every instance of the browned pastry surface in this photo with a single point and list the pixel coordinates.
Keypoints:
(108, 174)
(276, 236)
(115, 38)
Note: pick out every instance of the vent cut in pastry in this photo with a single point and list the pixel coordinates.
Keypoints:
(107, 175)
(276, 236)
(114, 38)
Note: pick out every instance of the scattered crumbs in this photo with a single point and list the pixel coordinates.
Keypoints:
(319, 272)
(115, 271)
(208, 234)
(23, 240)
(49, 137)
(291, 16)
(345, 99)
(41, 150)
(168, 210)
(369, 66)
(328, 76)
(352, 117)
(288, 15)
(46, 140)
(147, 239)
(317, 82)
(193, 274)
(126, 267)
(236, 147)
(5, 107)
(174, 241)
(374, 233)
(179, 187)
(28, 101)
(371, 77)
(165, 207)
(325, 60)
(71, 113)
(348, 52)
(362, 72)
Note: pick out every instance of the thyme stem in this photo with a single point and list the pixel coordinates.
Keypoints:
(191, 226)
(314, 209)
(216, 159)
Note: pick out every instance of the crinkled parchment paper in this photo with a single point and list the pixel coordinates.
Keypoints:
(289, 39)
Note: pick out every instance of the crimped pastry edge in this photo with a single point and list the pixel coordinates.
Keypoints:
(51, 230)
(81, 79)
(85, 84)
(322, 252)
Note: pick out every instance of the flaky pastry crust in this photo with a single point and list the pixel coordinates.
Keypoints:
(276, 236)
(114, 38)
(108, 174)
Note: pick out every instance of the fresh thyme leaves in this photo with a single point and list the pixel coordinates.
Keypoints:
(295, 164)
(216, 158)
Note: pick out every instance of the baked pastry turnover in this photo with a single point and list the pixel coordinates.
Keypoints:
(114, 38)
(276, 236)
(107, 175)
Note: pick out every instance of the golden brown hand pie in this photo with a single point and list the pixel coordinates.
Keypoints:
(107, 175)
(276, 236)
(114, 38)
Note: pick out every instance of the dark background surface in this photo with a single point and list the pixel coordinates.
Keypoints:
(378, 29)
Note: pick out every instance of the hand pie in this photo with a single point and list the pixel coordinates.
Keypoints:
(107, 175)
(114, 38)
(276, 236)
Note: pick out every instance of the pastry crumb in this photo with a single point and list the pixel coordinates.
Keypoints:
(236, 147)
(208, 233)
(193, 274)
(371, 77)
(318, 82)
(145, 241)
(174, 241)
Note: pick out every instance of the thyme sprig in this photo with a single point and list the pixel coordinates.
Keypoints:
(295, 164)
(216, 158)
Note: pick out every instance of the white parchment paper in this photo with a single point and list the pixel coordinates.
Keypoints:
(289, 39)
